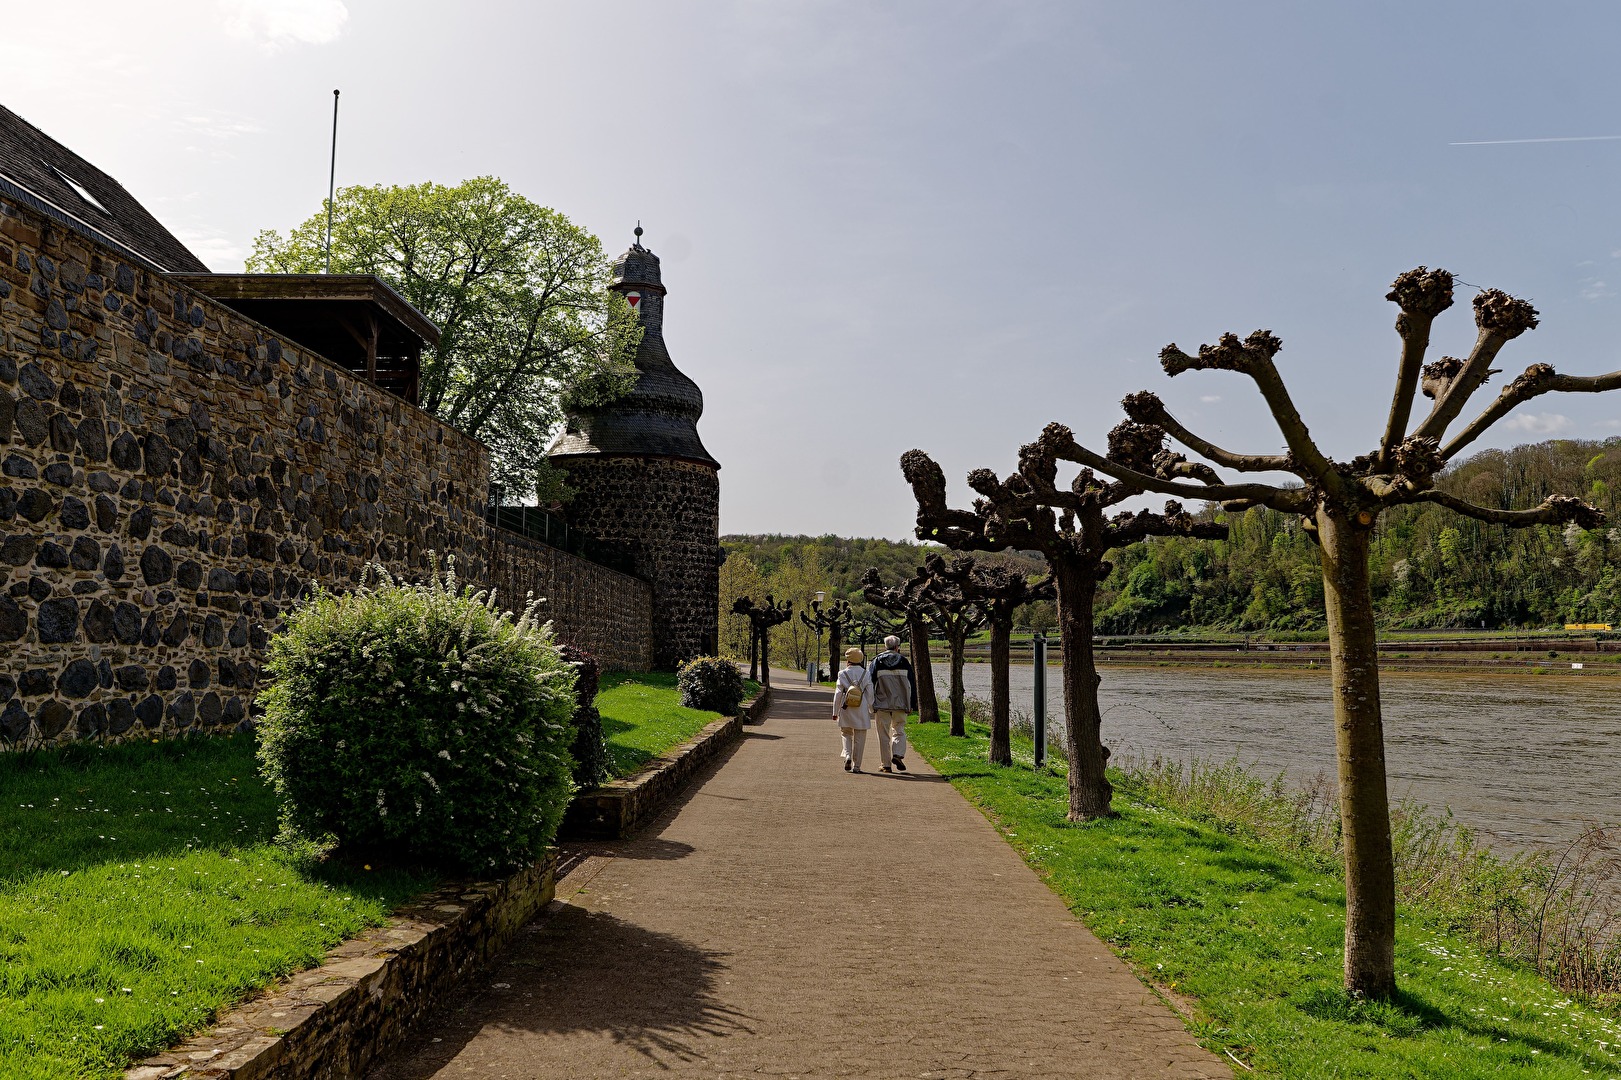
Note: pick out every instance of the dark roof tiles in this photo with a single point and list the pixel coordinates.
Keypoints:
(64, 185)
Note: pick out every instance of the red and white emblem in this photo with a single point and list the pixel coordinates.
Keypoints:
(634, 299)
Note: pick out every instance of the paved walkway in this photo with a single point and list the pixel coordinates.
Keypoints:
(792, 920)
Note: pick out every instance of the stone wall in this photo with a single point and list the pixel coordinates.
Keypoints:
(666, 513)
(173, 476)
(607, 613)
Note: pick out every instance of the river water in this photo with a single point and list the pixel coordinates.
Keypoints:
(1526, 760)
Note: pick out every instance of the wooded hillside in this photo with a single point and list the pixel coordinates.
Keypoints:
(1431, 568)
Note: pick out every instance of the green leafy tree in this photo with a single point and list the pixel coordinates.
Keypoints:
(739, 578)
(519, 293)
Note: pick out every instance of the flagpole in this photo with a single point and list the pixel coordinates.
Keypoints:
(331, 182)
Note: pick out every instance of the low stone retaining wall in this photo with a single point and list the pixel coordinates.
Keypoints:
(620, 807)
(754, 710)
(336, 1020)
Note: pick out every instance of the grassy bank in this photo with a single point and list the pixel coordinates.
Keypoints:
(642, 716)
(1244, 938)
(140, 892)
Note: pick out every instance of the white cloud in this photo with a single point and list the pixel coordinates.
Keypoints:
(216, 251)
(1594, 289)
(1210, 399)
(1541, 423)
(218, 125)
(273, 23)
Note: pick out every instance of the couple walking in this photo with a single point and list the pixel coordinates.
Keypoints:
(883, 696)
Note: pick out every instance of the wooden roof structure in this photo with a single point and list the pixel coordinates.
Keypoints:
(355, 320)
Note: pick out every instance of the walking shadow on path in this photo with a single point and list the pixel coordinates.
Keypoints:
(646, 990)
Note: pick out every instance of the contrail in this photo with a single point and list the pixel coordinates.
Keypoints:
(1566, 138)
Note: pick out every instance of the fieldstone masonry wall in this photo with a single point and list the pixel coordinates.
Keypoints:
(604, 612)
(172, 477)
(665, 512)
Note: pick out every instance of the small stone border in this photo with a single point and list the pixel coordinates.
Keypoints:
(620, 807)
(753, 710)
(338, 1019)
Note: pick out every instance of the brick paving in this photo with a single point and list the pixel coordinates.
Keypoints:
(788, 919)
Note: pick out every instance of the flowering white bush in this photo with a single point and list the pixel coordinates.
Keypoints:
(419, 722)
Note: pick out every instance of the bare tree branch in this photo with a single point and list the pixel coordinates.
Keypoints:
(1060, 442)
(1500, 318)
(1253, 357)
(1146, 407)
(1423, 294)
(1536, 380)
(1175, 521)
(936, 520)
(1555, 510)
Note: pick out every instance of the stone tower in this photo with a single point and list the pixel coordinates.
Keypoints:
(644, 482)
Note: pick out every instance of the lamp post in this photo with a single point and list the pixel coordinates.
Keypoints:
(1039, 641)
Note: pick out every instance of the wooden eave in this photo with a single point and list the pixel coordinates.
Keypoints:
(360, 288)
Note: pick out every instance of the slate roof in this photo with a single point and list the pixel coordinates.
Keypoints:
(658, 416)
(41, 173)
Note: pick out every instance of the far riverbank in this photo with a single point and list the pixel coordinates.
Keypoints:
(1526, 760)
(1437, 652)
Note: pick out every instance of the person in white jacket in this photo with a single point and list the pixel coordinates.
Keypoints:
(852, 707)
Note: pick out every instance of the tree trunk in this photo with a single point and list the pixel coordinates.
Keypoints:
(1370, 876)
(1090, 792)
(765, 656)
(1001, 693)
(754, 651)
(835, 649)
(928, 703)
(957, 638)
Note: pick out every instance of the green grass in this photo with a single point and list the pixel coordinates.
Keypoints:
(140, 893)
(1254, 938)
(642, 717)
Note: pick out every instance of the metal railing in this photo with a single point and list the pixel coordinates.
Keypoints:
(538, 523)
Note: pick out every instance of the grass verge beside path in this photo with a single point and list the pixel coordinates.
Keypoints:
(140, 893)
(1247, 943)
(642, 716)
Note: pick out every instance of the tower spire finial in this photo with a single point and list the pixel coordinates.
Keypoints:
(638, 232)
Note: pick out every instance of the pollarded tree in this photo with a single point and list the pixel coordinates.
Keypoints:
(1074, 538)
(1339, 504)
(835, 618)
(907, 599)
(745, 606)
(998, 592)
(955, 617)
(871, 628)
(761, 620)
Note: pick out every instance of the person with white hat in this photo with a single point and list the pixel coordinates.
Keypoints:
(852, 707)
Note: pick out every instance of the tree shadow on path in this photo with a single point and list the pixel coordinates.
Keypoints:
(578, 971)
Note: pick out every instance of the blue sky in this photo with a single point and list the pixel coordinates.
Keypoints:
(930, 224)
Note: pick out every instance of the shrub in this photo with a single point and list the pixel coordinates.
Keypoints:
(710, 683)
(421, 723)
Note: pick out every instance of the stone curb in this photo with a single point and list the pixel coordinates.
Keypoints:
(338, 1019)
(753, 710)
(618, 808)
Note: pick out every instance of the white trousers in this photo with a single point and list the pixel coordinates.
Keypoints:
(855, 743)
(891, 725)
